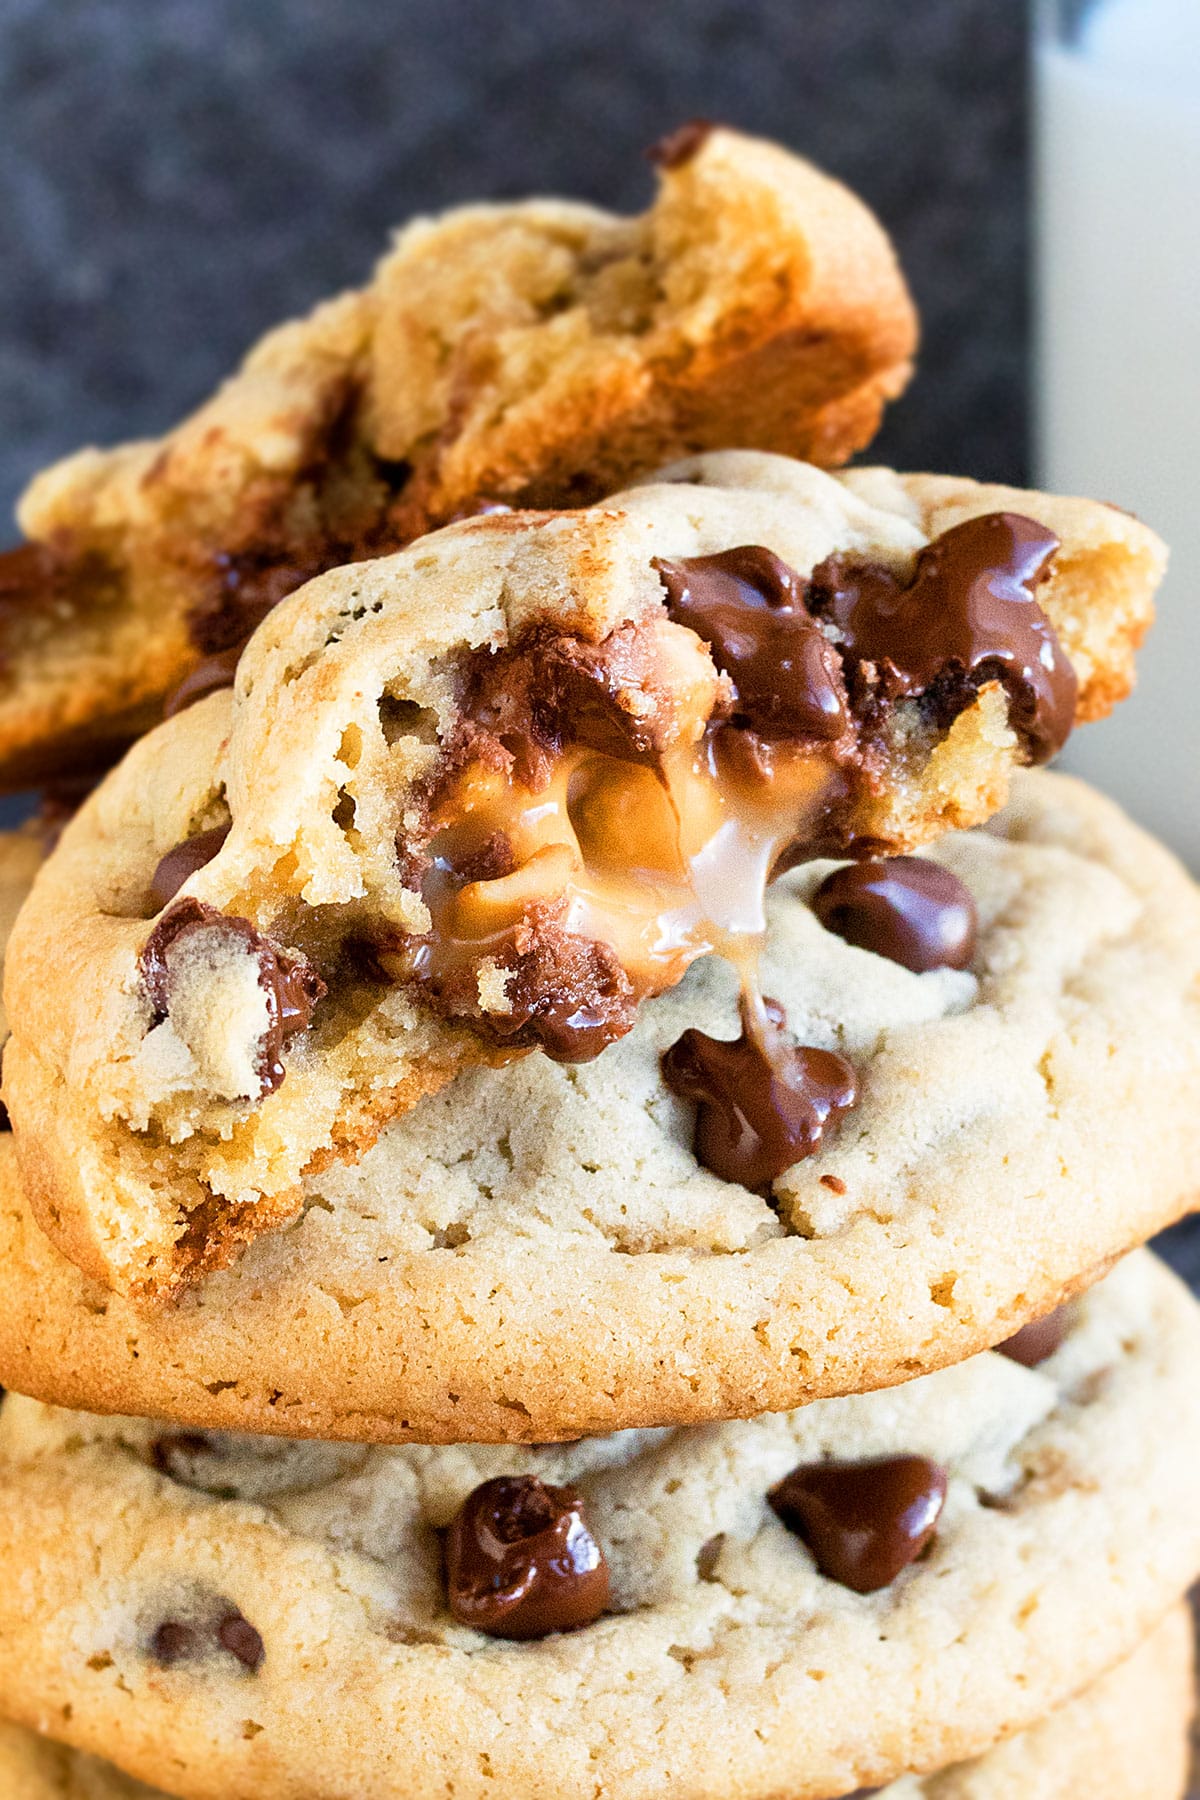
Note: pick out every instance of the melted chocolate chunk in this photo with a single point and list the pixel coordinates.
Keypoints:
(179, 864)
(27, 573)
(912, 911)
(208, 677)
(521, 1561)
(238, 1636)
(761, 1104)
(1037, 1340)
(290, 983)
(175, 1641)
(246, 586)
(863, 1521)
(679, 146)
(967, 616)
(750, 608)
(528, 701)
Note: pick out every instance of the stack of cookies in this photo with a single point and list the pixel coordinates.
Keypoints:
(582, 1112)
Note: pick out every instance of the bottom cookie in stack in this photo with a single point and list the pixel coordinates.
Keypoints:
(801, 1604)
(1124, 1738)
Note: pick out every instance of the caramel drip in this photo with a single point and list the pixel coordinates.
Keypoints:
(614, 810)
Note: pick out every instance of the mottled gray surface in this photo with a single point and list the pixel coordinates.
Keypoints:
(177, 174)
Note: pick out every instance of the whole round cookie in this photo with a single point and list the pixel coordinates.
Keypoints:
(489, 795)
(802, 1603)
(1123, 1738)
(536, 1251)
(537, 353)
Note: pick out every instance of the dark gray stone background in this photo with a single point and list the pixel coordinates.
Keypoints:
(176, 175)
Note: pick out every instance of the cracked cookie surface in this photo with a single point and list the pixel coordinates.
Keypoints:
(1123, 1738)
(535, 1250)
(492, 792)
(538, 353)
(204, 1608)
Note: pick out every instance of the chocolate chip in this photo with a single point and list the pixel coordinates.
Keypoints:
(174, 1642)
(238, 1636)
(762, 1104)
(1037, 1340)
(290, 983)
(863, 1521)
(181, 863)
(967, 616)
(750, 608)
(521, 1561)
(906, 908)
(208, 677)
(679, 146)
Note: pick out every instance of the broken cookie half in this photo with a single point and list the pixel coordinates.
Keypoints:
(538, 353)
(487, 795)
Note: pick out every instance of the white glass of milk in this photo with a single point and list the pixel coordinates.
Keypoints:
(1117, 114)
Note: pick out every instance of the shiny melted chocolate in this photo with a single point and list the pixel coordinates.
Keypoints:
(906, 908)
(291, 985)
(751, 610)
(611, 811)
(521, 1561)
(181, 863)
(762, 1104)
(863, 1521)
(1037, 1340)
(967, 615)
(208, 677)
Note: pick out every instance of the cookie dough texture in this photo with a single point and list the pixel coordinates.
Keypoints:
(728, 1666)
(540, 353)
(534, 1252)
(1124, 1738)
(137, 1161)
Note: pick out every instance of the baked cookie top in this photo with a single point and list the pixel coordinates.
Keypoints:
(1125, 1737)
(537, 353)
(800, 1603)
(491, 793)
(537, 1250)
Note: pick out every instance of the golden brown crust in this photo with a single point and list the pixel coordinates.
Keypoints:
(536, 1255)
(726, 1668)
(123, 1132)
(539, 353)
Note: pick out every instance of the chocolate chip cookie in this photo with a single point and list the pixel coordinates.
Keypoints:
(537, 353)
(542, 1249)
(490, 794)
(1124, 1738)
(628, 1614)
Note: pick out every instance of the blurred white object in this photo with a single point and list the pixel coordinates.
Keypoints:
(1118, 391)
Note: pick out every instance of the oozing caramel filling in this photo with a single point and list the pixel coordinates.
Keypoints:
(660, 864)
(614, 811)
